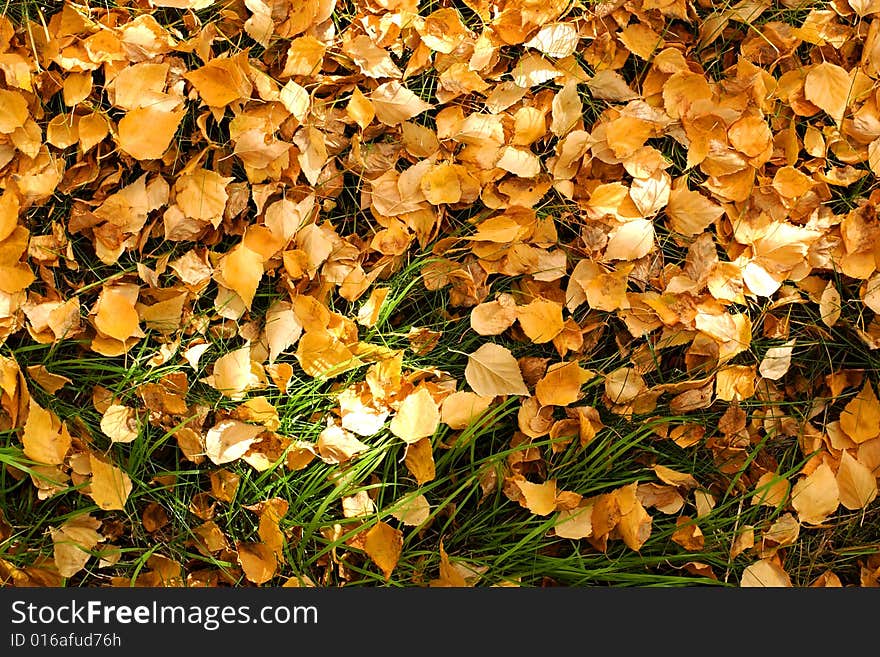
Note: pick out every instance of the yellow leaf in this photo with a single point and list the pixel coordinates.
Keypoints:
(383, 544)
(860, 418)
(567, 109)
(441, 184)
(110, 486)
(461, 408)
(360, 109)
(419, 460)
(370, 58)
(575, 523)
(623, 385)
(229, 440)
(541, 320)
(765, 573)
(9, 207)
(635, 523)
(690, 213)
(120, 424)
(816, 496)
(829, 305)
(412, 512)
(283, 328)
(417, 417)
(257, 561)
(224, 484)
(45, 439)
(856, 482)
(492, 370)
(201, 194)
(519, 162)
(149, 144)
(232, 373)
(368, 314)
(13, 111)
(776, 361)
(540, 499)
(49, 382)
(321, 354)
(829, 87)
(631, 240)
(688, 534)
(555, 40)
(735, 382)
(673, 477)
(494, 317)
(259, 26)
(72, 543)
(220, 81)
(561, 385)
(393, 103)
(304, 56)
(241, 270)
(336, 445)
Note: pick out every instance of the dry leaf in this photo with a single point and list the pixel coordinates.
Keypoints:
(120, 423)
(829, 86)
(419, 460)
(776, 361)
(73, 542)
(257, 560)
(492, 370)
(816, 496)
(765, 573)
(110, 486)
(417, 417)
(860, 418)
(412, 511)
(383, 544)
(856, 483)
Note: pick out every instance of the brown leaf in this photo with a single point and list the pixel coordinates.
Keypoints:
(816, 496)
(419, 460)
(765, 573)
(492, 370)
(110, 486)
(384, 544)
(73, 542)
(829, 86)
(257, 561)
(856, 482)
(860, 418)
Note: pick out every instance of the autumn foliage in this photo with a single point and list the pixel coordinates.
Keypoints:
(628, 198)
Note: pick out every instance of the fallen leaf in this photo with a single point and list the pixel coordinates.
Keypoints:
(120, 424)
(412, 511)
(561, 385)
(393, 103)
(492, 370)
(765, 573)
(384, 544)
(73, 542)
(257, 560)
(776, 361)
(860, 418)
(417, 417)
(110, 486)
(540, 499)
(229, 440)
(856, 483)
(816, 496)
(829, 87)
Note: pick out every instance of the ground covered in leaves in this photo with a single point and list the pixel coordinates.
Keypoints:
(439, 293)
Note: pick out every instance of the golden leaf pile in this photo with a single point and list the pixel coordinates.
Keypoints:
(627, 194)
